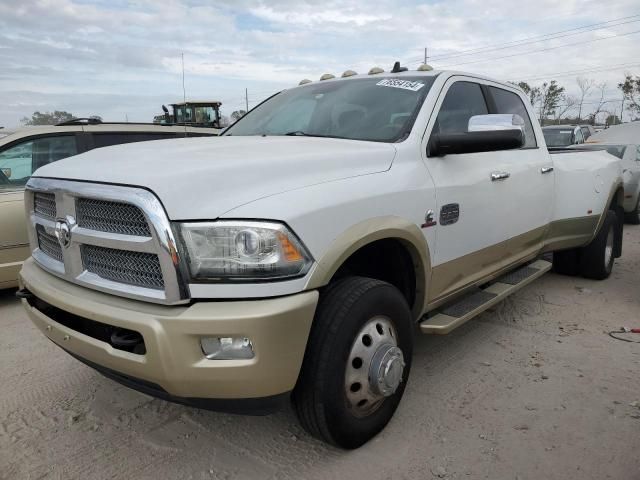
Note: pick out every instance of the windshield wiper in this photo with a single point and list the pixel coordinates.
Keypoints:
(300, 133)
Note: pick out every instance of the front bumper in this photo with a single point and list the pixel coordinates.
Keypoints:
(173, 360)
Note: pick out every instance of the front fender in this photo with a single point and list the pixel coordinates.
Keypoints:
(368, 231)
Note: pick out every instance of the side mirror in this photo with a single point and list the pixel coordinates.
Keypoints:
(485, 133)
(6, 172)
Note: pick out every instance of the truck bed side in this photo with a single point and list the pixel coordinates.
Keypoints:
(585, 184)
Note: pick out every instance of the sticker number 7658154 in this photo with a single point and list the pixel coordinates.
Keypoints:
(397, 83)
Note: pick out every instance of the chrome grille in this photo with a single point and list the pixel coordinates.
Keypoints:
(113, 217)
(132, 268)
(44, 204)
(49, 244)
(118, 239)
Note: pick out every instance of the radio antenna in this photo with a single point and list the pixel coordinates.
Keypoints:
(184, 97)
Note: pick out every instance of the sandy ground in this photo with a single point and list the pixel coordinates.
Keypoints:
(533, 389)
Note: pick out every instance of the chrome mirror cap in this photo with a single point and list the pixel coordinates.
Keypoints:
(495, 121)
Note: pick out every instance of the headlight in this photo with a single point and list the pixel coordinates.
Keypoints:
(237, 250)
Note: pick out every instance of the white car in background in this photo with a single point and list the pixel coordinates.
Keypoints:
(623, 141)
(630, 155)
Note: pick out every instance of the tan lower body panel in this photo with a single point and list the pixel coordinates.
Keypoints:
(278, 329)
(571, 233)
(443, 324)
(453, 278)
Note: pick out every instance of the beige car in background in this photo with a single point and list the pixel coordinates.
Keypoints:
(28, 149)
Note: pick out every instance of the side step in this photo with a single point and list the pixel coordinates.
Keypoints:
(473, 304)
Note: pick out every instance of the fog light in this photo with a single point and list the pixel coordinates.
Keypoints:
(227, 348)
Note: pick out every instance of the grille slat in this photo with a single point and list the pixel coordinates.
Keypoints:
(49, 245)
(111, 217)
(44, 205)
(123, 266)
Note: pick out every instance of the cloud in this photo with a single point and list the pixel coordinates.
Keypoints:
(123, 57)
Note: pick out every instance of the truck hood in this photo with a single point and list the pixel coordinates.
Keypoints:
(202, 178)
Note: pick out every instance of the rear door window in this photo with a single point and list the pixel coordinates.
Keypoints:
(509, 102)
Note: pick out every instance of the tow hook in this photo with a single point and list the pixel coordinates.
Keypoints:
(24, 293)
(127, 340)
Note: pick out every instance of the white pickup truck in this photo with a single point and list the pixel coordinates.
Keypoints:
(295, 256)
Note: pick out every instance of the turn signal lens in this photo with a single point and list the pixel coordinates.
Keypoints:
(291, 253)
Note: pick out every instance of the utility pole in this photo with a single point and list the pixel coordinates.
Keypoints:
(246, 100)
(622, 109)
(426, 57)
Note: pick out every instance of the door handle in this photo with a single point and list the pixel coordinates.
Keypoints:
(495, 176)
(544, 170)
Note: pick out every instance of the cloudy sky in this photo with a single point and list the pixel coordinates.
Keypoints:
(122, 59)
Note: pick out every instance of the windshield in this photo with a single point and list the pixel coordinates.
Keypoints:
(375, 109)
(615, 150)
(556, 137)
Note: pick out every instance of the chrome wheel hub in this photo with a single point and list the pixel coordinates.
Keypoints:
(608, 249)
(374, 367)
(385, 373)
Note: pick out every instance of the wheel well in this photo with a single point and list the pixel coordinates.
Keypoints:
(388, 260)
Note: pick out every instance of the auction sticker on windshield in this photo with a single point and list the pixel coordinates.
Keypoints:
(405, 84)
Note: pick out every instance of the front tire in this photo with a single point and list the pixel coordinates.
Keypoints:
(596, 259)
(357, 362)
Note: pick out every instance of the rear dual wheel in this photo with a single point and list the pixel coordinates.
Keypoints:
(634, 216)
(357, 362)
(596, 259)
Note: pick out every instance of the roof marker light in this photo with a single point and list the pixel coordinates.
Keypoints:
(425, 68)
(375, 70)
(349, 73)
(304, 81)
(327, 76)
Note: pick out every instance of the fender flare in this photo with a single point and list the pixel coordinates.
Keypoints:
(369, 231)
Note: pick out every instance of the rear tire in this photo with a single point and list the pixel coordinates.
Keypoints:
(596, 259)
(567, 262)
(362, 328)
(634, 217)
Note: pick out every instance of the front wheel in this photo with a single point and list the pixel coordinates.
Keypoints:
(357, 362)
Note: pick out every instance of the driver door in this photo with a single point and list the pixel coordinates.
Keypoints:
(472, 209)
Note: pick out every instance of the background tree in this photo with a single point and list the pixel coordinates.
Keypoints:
(47, 118)
(569, 102)
(584, 85)
(612, 119)
(600, 104)
(550, 96)
(630, 89)
(237, 115)
(532, 92)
